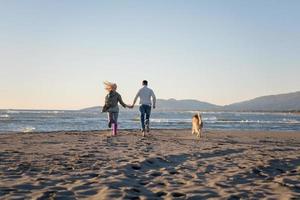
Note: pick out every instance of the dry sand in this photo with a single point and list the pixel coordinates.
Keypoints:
(169, 164)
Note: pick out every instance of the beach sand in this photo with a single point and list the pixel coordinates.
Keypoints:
(168, 164)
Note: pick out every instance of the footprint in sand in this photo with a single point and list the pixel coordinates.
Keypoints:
(178, 194)
(57, 194)
(160, 194)
(155, 173)
(23, 167)
(5, 190)
(132, 190)
(48, 195)
(173, 172)
(136, 167)
(27, 187)
(129, 197)
(161, 184)
(88, 192)
(144, 182)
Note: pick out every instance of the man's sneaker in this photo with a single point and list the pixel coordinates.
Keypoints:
(143, 132)
(147, 126)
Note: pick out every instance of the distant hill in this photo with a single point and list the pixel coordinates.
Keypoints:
(272, 103)
(174, 105)
(188, 104)
(280, 102)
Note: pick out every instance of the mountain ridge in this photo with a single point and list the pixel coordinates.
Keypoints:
(272, 103)
(277, 102)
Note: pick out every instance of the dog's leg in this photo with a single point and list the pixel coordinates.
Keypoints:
(200, 132)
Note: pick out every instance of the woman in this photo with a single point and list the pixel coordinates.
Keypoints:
(111, 106)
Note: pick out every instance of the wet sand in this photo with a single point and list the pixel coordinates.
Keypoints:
(168, 164)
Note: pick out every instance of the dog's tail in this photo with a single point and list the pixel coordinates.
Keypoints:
(200, 119)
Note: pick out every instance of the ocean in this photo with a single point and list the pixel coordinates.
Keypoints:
(58, 120)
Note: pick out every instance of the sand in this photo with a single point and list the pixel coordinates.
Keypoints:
(168, 164)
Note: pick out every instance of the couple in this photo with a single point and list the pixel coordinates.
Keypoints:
(113, 98)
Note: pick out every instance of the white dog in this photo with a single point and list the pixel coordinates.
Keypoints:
(197, 125)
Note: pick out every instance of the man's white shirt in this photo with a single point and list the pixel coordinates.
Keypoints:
(145, 95)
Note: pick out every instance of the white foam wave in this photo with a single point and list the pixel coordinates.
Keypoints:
(34, 111)
(213, 118)
(12, 112)
(259, 122)
(290, 121)
(202, 112)
(163, 120)
(28, 129)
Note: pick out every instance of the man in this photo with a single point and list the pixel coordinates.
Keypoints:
(145, 94)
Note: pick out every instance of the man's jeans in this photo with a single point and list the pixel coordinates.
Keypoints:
(145, 110)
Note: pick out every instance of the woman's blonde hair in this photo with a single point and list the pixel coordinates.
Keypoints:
(109, 86)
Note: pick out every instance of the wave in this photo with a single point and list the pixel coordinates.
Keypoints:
(34, 112)
(259, 121)
(239, 113)
(290, 121)
(28, 130)
(12, 112)
(4, 117)
(203, 112)
(213, 118)
(137, 119)
(163, 120)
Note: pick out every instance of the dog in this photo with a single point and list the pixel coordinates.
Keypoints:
(197, 125)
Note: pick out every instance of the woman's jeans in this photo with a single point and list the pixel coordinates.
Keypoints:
(145, 112)
(113, 122)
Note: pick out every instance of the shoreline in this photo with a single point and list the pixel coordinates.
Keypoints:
(154, 130)
(167, 164)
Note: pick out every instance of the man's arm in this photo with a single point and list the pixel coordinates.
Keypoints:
(153, 99)
(135, 98)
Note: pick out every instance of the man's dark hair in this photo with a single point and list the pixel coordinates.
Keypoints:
(145, 82)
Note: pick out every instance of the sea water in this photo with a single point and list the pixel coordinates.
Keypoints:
(57, 120)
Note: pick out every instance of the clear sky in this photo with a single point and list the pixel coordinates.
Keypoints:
(54, 54)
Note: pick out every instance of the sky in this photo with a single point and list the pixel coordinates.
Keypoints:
(55, 54)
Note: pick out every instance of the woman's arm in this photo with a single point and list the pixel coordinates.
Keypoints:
(106, 104)
(121, 101)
